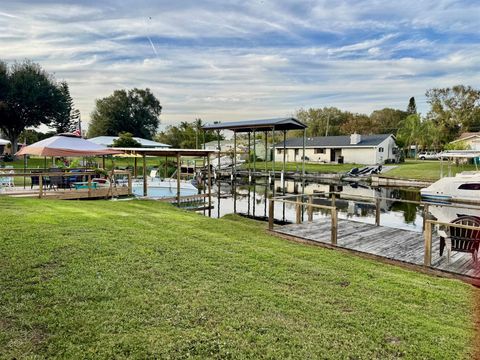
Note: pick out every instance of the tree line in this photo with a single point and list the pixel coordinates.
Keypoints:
(452, 111)
(30, 97)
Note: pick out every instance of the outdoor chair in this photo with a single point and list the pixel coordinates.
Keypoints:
(56, 182)
(463, 240)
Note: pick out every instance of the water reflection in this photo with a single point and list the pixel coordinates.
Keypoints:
(250, 199)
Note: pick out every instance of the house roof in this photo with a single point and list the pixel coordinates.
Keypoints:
(335, 141)
(467, 135)
(108, 141)
(258, 125)
(4, 142)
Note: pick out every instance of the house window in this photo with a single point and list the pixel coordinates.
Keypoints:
(319, 151)
(380, 149)
(471, 186)
(296, 152)
(279, 151)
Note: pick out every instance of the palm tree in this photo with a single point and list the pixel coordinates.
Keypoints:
(411, 132)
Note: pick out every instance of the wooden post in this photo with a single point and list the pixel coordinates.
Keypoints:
(271, 213)
(166, 168)
(427, 261)
(89, 185)
(334, 226)
(254, 153)
(40, 186)
(144, 176)
(209, 186)
(333, 200)
(178, 179)
(129, 183)
(425, 215)
(377, 212)
(103, 161)
(135, 167)
(298, 211)
(310, 208)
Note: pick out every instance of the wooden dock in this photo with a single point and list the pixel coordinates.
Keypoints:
(69, 194)
(398, 245)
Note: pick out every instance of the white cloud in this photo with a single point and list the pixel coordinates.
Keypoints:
(230, 61)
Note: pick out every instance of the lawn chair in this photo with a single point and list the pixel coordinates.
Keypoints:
(464, 240)
(56, 181)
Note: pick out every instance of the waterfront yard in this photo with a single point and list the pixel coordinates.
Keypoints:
(425, 169)
(141, 279)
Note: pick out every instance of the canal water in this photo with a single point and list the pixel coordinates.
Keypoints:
(251, 200)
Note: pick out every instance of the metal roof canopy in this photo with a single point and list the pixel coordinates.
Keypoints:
(167, 151)
(289, 123)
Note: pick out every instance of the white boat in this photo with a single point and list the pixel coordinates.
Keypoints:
(464, 187)
(155, 182)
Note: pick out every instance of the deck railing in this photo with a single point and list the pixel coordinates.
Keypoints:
(41, 184)
(300, 205)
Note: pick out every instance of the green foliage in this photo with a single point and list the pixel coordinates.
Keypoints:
(454, 109)
(65, 119)
(125, 139)
(141, 280)
(30, 136)
(410, 132)
(187, 135)
(29, 97)
(135, 111)
(412, 107)
(322, 122)
(458, 145)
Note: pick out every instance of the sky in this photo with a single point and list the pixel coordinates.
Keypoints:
(233, 60)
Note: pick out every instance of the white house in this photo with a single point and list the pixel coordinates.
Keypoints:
(356, 148)
(472, 139)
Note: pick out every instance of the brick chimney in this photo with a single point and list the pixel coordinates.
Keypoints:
(355, 138)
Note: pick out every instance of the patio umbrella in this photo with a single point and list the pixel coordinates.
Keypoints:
(67, 145)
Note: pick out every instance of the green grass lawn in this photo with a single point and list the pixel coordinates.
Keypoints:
(425, 170)
(140, 279)
(297, 166)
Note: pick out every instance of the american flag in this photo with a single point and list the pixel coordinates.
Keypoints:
(77, 133)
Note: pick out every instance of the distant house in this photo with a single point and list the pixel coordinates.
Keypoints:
(108, 142)
(472, 139)
(356, 148)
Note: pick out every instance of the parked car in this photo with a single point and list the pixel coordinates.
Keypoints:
(428, 155)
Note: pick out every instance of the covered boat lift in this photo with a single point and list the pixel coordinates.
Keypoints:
(175, 153)
(265, 126)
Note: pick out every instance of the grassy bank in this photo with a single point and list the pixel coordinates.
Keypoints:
(297, 166)
(425, 170)
(141, 279)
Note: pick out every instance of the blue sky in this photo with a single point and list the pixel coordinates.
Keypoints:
(232, 60)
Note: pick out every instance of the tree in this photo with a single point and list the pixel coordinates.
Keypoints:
(186, 135)
(412, 106)
(358, 123)
(29, 97)
(125, 139)
(387, 120)
(410, 132)
(135, 111)
(30, 136)
(64, 121)
(454, 109)
(321, 122)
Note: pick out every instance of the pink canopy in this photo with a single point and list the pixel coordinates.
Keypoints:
(68, 145)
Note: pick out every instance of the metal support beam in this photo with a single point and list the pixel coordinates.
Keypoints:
(303, 151)
(273, 158)
(248, 159)
(209, 187)
(254, 152)
(144, 175)
(178, 179)
(234, 154)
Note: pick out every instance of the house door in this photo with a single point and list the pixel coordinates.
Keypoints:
(332, 155)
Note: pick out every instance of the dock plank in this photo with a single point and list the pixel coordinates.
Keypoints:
(394, 244)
